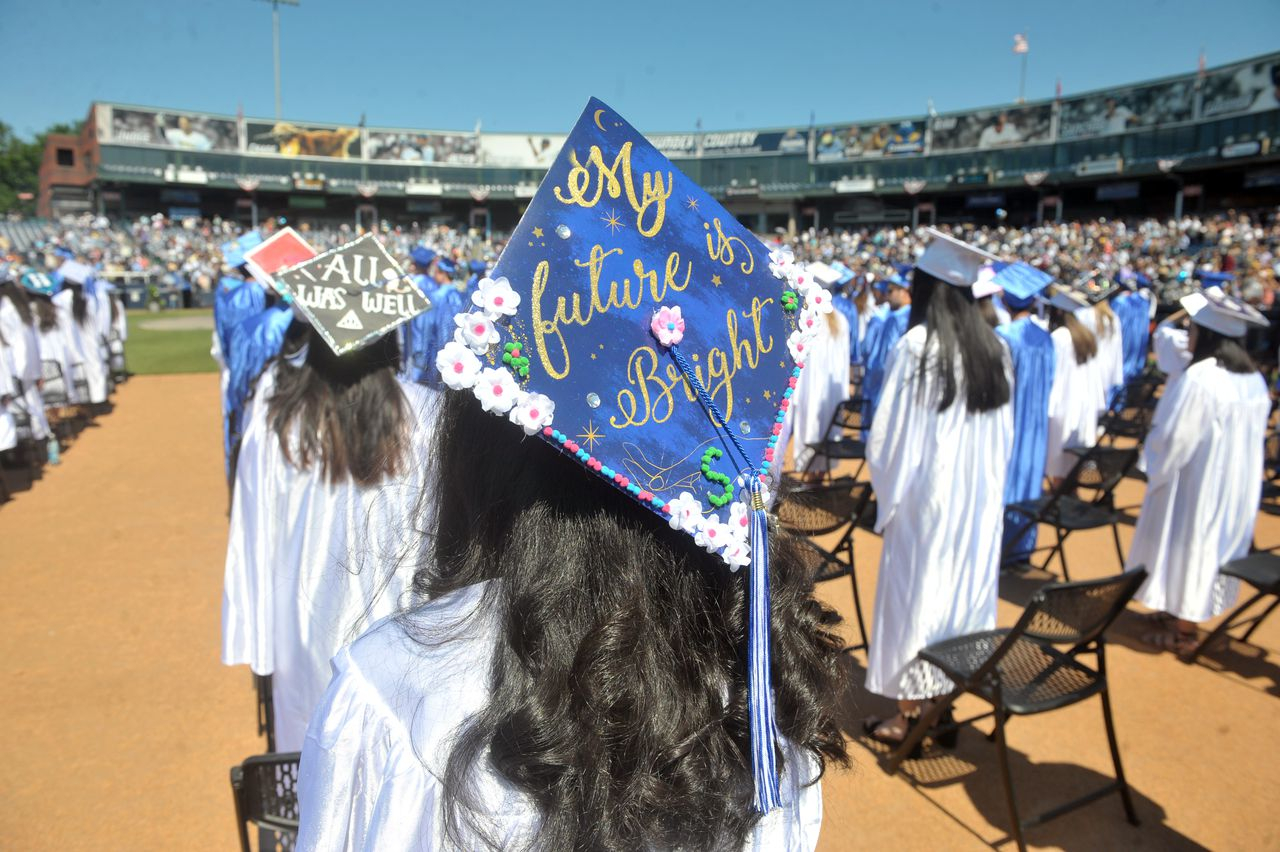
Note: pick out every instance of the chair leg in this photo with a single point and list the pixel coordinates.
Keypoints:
(1002, 750)
(1115, 534)
(1062, 555)
(920, 730)
(1129, 813)
(1259, 620)
(857, 606)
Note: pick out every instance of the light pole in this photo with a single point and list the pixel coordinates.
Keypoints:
(275, 42)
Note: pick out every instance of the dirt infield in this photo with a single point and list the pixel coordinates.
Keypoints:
(118, 723)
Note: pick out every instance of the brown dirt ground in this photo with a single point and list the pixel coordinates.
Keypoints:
(118, 723)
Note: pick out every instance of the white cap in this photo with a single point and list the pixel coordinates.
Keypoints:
(75, 272)
(952, 260)
(986, 284)
(1068, 300)
(825, 274)
(1217, 311)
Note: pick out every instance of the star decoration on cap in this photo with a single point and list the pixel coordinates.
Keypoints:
(612, 220)
(537, 232)
(591, 436)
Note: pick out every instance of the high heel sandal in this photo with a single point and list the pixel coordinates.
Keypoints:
(872, 728)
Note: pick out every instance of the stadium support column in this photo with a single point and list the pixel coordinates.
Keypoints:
(791, 219)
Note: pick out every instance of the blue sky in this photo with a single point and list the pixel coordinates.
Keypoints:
(532, 65)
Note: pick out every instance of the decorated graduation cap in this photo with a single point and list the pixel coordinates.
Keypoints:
(38, 282)
(233, 250)
(352, 295)
(282, 250)
(1217, 311)
(637, 327)
(1021, 283)
(953, 261)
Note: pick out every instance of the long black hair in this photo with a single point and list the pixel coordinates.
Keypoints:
(950, 316)
(352, 416)
(618, 689)
(1083, 341)
(79, 305)
(17, 296)
(46, 313)
(1228, 351)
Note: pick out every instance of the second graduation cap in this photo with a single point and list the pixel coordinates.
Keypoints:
(352, 295)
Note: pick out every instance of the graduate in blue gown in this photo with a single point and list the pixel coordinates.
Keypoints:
(1034, 362)
(889, 324)
(254, 342)
(1133, 309)
(844, 302)
(428, 332)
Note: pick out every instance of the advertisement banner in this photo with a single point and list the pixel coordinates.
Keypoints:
(733, 143)
(184, 130)
(862, 141)
(992, 128)
(520, 150)
(1141, 107)
(416, 147)
(1254, 87)
(296, 140)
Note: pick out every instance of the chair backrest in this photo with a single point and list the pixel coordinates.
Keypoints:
(848, 416)
(54, 391)
(1100, 469)
(1078, 613)
(820, 509)
(266, 791)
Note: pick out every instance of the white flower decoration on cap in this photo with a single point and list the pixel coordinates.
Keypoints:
(737, 554)
(532, 412)
(458, 366)
(798, 343)
(712, 534)
(495, 297)
(686, 512)
(802, 279)
(808, 322)
(818, 299)
(781, 261)
(497, 390)
(476, 330)
(739, 522)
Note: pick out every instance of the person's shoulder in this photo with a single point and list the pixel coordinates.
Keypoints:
(914, 339)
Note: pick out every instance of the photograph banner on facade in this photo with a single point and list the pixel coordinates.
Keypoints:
(298, 140)
(1254, 87)
(187, 131)
(993, 128)
(1141, 107)
(875, 139)
(410, 146)
(520, 150)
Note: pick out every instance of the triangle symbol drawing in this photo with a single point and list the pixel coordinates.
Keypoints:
(351, 322)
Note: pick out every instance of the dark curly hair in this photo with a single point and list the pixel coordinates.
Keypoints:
(618, 701)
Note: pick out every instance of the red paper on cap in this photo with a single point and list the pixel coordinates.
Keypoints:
(281, 250)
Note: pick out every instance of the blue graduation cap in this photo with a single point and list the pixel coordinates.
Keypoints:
(846, 274)
(445, 265)
(1212, 277)
(422, 256)
(1020, 282)
(233, 251)
(636, 326)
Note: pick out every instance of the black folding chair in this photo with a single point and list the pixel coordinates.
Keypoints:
(80, 381)
(844, 439)
(1261, 571)
(1098, 469)
(817, 510)
(25, 425)
(1130, 413)
(119, 367)
(266, 794)
(1021, 671)
(266, 709)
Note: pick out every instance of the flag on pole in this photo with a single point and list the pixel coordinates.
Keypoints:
(1020, 43)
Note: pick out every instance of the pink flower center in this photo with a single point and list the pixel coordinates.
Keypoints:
(800, 347)
(497, 390)
(457, 366)
(711, 533)
(533, 413)
(479, 329)
(497, 300)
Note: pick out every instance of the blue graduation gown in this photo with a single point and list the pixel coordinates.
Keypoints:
(233, 302)
(254, 342)
(1134, 312)
(889, 325)
(845, 305)
(427, 333)
(1034, 362)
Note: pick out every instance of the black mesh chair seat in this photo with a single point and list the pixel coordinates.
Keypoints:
(266, 794)
(1034, 677)
(54, 391)
(840, 448)
(1262, 572)
(1034, 667)
(1069, 513)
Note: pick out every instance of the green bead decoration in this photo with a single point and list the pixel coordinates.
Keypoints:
(726, 483)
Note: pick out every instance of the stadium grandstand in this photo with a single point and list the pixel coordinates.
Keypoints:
(1192, 143)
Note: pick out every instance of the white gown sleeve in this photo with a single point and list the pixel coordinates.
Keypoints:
(247, 605)
(1178, 427)
(1170, 345)
(898, 431)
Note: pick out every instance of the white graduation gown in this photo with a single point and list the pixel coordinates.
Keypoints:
(8, 429)
(1073, 405)
(24, 345)
(54, 347)
(82, 339)
(310, 564)
(1204, 462)
(939, 484)
(379, 742)
(1110, 359)
(1172, 348)
(823, 385)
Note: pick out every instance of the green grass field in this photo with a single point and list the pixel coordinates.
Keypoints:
(182, 347)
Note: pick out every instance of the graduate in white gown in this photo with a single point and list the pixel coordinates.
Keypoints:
(822, 386)
(331, 472)
(1076, 394)
(8, 391)
(18, 328)
(56, 349)
(578, 677)
(1107, 330)
(77, 314)
(939, 450)
(1204, 464)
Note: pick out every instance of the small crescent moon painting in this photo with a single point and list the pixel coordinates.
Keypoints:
(599, 113)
